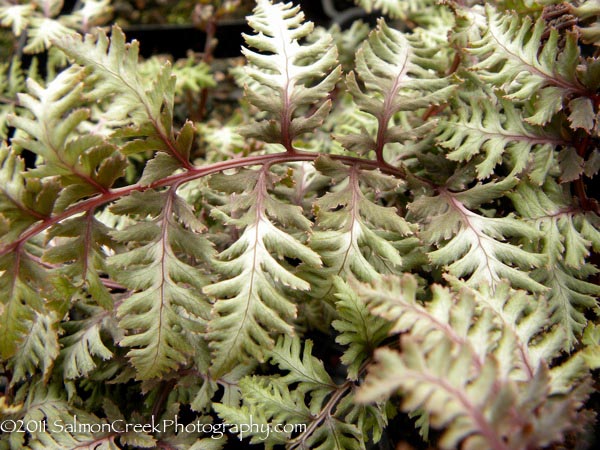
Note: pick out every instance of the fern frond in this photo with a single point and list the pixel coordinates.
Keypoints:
(43, 31)
(348, 119)
(360, 331)
(203, 395)
(292, 76)
(16, 16)
(90, 13)
(85, 164)
(149, 107)
(565, 239)
(591, 351)
(570, 294)
(116, 62)
(352, 239)
(461, 319)
(548, 75)
(397, 76)
(163, 164)
(81, 245)
(22, 202)
(83, 342)
(481, 130)
(250, 301)
(167, 298)
(306, 395)
(303, 368)
(48, 404)
(40, 22)
(334, 434)
(447, 389)
(469, 357)
(472, 245)
(222, 140)
(303, 184)
(247, 414)
(476, 407)
(347, 41)
(50, 106)
(21, 300)
(191, 75)
(38, 350)
(589, 11)
(527, 341)
(12, 81)
(332, 424)
(275, 400)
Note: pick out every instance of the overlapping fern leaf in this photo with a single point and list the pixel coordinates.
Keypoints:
(23, 203)
(353, 233)
(325, 410)
(475, 362)
(40, 22)
(47, 404)
(587, 12)
(494, 132)
(250, 302)
(472, 245)
(532, 63)
(160, 267)
(12, 81)
(83, 347)
(358, 328)
(566, 239)
(397, 75)
(70, 167)
(73, 167)
(84, 164)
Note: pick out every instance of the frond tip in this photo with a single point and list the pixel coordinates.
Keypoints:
(291, 76)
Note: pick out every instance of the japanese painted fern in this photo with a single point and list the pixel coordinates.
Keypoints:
(339, 254)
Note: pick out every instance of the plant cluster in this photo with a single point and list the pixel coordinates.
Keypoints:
(421, 206)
